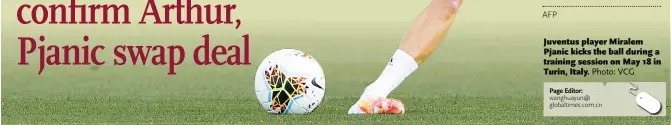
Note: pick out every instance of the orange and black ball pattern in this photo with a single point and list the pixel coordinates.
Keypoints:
(283, 88)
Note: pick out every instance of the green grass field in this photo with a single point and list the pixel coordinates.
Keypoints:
(431, 96)
(434, 110)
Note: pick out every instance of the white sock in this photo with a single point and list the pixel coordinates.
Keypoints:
(400, 65)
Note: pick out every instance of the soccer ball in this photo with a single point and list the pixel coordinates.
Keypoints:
(289, 81)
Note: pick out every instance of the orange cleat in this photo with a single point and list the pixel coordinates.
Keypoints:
(381, 106)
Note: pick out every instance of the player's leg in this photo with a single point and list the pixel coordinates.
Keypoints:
(426, 32)
(429, 29)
